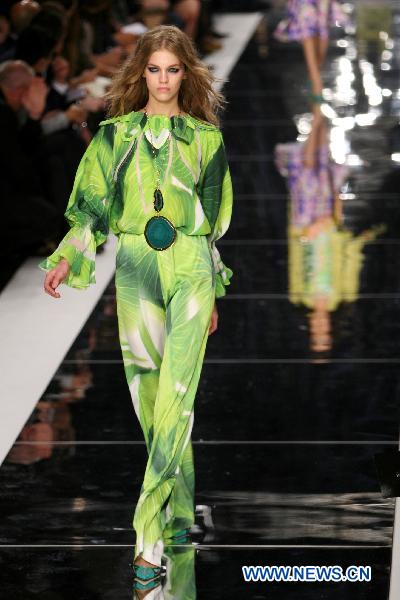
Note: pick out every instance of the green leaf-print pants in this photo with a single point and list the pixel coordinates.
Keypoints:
(164, 305)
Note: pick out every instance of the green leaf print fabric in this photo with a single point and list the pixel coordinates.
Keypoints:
(215, 189)
(87, 213)
(115, 181)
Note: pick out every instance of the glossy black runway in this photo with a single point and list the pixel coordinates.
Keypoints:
(284, 434)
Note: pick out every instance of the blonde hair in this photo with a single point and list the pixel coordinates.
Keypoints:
(128, 90)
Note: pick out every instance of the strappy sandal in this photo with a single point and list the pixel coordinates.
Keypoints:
(147, 577)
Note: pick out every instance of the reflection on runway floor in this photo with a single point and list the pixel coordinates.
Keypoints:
(299, 387)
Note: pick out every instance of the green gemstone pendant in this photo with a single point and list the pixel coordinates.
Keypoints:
(160, 233)
(158, 200)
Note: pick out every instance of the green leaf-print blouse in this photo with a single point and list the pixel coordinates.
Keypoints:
(115, 181)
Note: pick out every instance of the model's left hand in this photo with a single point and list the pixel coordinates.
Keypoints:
(214, 320)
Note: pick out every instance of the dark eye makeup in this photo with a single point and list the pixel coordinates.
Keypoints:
(172, 69)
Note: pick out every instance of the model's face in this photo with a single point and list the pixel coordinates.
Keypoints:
(164, 73)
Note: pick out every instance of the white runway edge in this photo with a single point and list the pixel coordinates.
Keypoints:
(38, 330)
(241, 26)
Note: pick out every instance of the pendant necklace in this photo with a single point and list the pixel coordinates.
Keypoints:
(159, 232)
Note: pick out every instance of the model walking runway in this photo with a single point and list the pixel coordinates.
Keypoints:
(226, 413)
(168, 269)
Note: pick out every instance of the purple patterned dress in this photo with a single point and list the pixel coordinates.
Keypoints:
(308, 18)
(312, 190)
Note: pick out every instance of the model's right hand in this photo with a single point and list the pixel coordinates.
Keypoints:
(56, 276)
(214, 320)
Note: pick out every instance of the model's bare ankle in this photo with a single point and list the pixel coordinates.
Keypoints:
(139, 560)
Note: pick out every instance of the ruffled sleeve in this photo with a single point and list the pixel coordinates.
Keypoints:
(87, 213)
(216, 194)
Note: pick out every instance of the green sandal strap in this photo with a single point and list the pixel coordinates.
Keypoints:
(181, 533)
(316, 98)
(137, 585)
(147, 573)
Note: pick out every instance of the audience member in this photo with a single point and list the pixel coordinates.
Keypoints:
(30, 217)
(56, 57)
(22, 13)
(7, 39)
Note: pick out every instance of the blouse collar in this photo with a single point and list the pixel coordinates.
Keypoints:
(182, 126)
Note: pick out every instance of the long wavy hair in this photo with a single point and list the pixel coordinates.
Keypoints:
(128, 90)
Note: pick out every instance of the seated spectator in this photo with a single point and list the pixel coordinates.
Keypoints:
(189, 11)
(207, 39)
(192, 16)
(8, 39)
(35, 47)
(22, 13)
(48, 158)
(157, 12)
(89, 28)
(71, 102)
(30, 217)
(28, 20)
